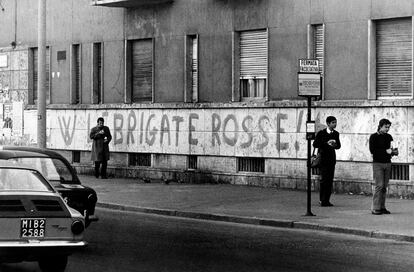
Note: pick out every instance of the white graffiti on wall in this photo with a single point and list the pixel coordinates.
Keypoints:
(264, 132)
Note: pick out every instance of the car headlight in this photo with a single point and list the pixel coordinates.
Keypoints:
(77, 227)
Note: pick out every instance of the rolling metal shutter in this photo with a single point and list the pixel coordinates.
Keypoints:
(35, 73)
(77, 70)
(394, 57)
(253, 54)
(97, 53)
(319, 40)
(194, 70)
(142, 70)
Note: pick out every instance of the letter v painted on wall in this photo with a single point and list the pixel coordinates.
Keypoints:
(65, 130)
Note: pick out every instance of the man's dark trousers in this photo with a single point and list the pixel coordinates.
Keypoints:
(103, 168)
(326, 183)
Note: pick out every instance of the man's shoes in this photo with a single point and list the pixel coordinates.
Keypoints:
(104, 177)
(96, 176)
(327, 204)
(377, 212)
(385, 211)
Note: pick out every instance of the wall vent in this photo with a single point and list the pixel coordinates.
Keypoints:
(316, 171)
(400, 171)
(139, 159)
(76, 156)
(192, 162)
(251, 165)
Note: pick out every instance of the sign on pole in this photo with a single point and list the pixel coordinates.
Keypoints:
(309, 66)
(309, 84)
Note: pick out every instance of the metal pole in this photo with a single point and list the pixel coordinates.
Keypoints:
(41, 86)
(309, 195)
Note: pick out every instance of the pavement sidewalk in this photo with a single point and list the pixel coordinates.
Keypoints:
(256, 205)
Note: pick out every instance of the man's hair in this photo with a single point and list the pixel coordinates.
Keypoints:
(330, 119)
(100, 119)
(383, 122)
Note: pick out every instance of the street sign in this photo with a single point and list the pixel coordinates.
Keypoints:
(308, 66)
(309, 84)
(310, 130)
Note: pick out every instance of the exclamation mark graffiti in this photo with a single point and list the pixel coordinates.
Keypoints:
(298, 128)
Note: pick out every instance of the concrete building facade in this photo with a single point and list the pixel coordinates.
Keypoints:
(207, 90)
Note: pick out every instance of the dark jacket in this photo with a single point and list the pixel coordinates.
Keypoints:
(100, 148)
(378, 144)
(328, 155)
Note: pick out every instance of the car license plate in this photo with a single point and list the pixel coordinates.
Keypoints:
(32, 227)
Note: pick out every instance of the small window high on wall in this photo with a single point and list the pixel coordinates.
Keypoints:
(393, 58)
(253, 48)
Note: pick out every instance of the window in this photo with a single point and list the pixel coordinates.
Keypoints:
(191, 89)
(97, 53)
(253, 47)
(34, 77)
(393, 58)
(76, 74)
(139, 61)
(52, 169)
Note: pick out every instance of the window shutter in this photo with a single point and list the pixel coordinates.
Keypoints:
(142, 70)
(394, 57)
(253, 54)
(319, 39)
(194, 70)
(35, 72)
(77, 70)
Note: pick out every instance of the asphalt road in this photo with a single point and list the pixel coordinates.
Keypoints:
(123, 241)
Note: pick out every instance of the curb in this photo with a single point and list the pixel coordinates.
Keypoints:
(279, 223)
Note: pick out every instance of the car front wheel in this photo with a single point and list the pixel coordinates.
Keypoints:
(53, 264)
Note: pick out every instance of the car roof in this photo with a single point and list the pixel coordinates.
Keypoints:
(7, 152)
(15, 165)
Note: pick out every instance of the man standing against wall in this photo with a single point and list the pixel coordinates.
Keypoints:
(380, 146)
(327, 141)
(101, 137)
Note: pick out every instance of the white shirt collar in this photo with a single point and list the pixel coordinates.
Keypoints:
(329, 131)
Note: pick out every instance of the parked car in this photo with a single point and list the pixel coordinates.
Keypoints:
(60, 174)
(35, 222)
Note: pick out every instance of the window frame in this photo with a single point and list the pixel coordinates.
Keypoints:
(372, 61)
(76, 88)
(32, 85)
(237, 95)
(189, 95)
(128, 95)
(97, 74)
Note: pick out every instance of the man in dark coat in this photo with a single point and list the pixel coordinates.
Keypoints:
(101, 137)
(327, 141)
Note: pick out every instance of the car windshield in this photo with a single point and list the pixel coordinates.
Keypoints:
(51, 168)
(14, 179)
